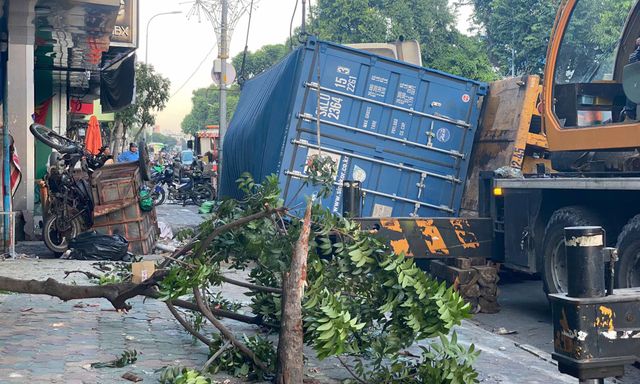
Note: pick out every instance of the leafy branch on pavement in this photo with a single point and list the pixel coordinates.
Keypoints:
(182, 375)
(128, 357)
(359, 300)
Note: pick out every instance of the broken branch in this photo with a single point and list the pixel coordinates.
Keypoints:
(251, 286)
(206, 365)
(89, 275)
(206, 311)
(186, 324)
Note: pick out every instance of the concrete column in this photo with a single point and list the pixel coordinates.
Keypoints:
(59, 111)
(20, 101)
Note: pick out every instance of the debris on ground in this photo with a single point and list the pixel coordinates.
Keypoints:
(94, 246)
(131, 377)
(504, 331)
(165, 230)
(128, 357)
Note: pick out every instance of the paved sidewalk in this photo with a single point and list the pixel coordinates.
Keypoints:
(44, 340)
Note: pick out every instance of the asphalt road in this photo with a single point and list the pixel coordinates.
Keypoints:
(526, 312)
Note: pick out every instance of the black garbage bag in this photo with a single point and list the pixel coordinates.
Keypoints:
(94, 246)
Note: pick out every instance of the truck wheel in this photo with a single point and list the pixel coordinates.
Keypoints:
(555, 258)
(628, 266)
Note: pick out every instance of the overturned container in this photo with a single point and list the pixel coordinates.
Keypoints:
(404, 132)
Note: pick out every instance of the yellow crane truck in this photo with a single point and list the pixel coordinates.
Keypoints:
(549, 154)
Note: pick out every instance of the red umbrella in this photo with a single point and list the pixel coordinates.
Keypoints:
(93, 138)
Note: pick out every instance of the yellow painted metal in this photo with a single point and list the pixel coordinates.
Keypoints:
(613, 136)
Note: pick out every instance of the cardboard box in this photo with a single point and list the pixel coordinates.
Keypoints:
(142, 271)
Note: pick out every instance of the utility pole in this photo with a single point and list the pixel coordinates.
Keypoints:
(303, 29)
(224, 54)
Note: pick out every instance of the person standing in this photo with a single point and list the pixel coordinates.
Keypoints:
(130, 155)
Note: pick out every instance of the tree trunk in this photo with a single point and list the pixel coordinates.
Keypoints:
(116, 145)
(135, 138)
(290, 343)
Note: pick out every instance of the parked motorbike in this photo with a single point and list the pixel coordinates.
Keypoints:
(194, 187)
(69, 208)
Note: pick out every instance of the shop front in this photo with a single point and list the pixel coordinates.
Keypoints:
(63, 61)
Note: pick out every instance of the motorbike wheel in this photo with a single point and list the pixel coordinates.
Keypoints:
(202, 193)
(205, 191)
(52, 139)
(57, 234)
(159, 196)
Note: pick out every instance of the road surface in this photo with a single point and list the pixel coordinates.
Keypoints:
(525, 311)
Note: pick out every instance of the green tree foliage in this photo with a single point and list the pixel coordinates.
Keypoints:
(349, 21)
(516, 27)
(164, 139)
(361, 300)
(430, 22)
(523, 28)
(152, 94)
(205, 108)
(588, 49)
(260, 60)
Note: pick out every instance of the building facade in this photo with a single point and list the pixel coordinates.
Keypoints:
(58, 59)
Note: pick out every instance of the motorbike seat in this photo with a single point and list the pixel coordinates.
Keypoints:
(184, 180)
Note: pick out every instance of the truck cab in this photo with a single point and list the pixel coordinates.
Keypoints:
(594, 178)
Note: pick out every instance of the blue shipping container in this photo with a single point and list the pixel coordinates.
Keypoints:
(404, 131)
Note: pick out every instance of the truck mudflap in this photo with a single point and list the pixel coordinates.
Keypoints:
(429, 238)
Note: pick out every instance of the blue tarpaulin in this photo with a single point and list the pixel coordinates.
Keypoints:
(260, 123)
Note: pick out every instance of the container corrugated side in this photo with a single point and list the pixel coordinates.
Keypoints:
(404, 131)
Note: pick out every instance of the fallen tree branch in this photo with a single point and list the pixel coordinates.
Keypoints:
(251, 286)
(89, 275)
(217, 232)
(185, 324)
(215, 356)
(353, 374)
(181, 262)
(206, 311)
(112, 292)
(116, 294)
(153, 294)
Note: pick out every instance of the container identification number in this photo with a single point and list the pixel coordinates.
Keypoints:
(345, 81)
(330, 106)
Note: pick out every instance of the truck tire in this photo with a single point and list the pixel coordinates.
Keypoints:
(628, 265)
(555, 260)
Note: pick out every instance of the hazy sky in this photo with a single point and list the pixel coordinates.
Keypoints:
(177, 45)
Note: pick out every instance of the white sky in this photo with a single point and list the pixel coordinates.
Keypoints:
(177, 45)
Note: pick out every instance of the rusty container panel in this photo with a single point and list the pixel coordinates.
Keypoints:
(115, 193)
(504, 132)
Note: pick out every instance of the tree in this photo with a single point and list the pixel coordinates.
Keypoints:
(430, 22)
(517, 29)
(260, 60)
(205, 108)
(152, 94)
(164, 139)
(349, 21)
(359, 300)
(206, 101)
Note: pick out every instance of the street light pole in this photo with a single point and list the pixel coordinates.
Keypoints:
(146, 47)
